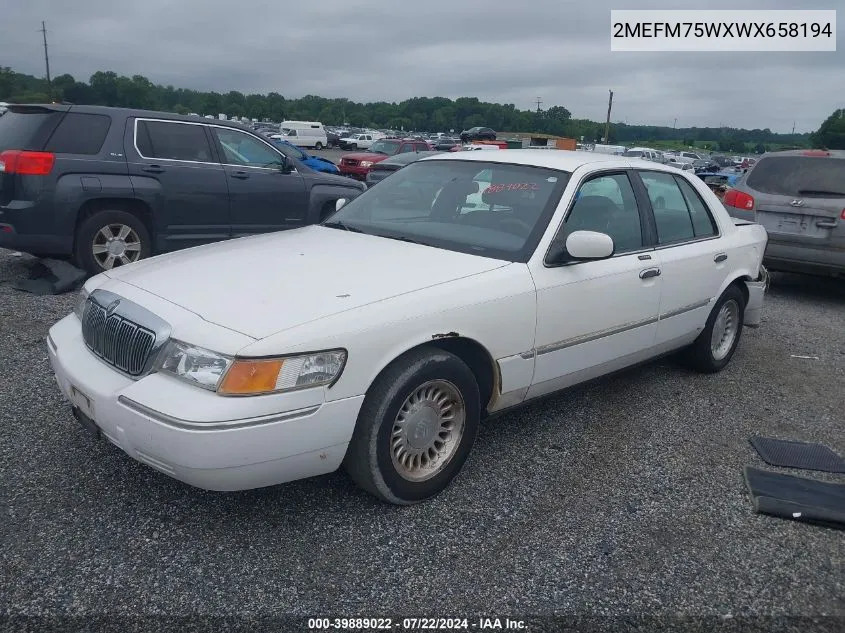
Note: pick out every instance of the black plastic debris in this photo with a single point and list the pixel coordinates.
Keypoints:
(796, 498)
(51, 277)
(789, 454)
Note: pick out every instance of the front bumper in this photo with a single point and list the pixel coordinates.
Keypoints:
(353, 171)
(196, 436)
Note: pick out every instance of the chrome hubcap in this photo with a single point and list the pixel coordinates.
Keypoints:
(116, 245)
(427, 430)
(725, 329)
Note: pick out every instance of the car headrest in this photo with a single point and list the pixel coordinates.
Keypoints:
(589, 209)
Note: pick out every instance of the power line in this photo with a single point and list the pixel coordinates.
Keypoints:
(47, 59)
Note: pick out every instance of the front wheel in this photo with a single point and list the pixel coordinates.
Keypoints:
(416, 427)
(715, 346)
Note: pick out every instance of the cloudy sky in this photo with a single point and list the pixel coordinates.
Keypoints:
(498, 50)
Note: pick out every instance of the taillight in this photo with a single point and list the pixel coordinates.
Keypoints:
(25, 163)
(842, 215)
(739, 200)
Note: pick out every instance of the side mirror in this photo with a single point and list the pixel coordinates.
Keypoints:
(581, 246)
(287, 165)
(339, 204)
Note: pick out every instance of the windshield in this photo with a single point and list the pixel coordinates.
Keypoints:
(633, 152)
(799, 176)
(385, 147)
(489, 209)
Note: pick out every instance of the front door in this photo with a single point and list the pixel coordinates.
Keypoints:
(173, 169)
(595, 316)
(262, 197)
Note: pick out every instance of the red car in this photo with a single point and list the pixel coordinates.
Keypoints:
(357, 164)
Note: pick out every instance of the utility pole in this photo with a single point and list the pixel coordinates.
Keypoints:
(607, 124)
(675, 124)
(539, 102)
(793, 127)
(47, 60)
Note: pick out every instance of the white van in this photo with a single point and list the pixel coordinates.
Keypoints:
(304, 133)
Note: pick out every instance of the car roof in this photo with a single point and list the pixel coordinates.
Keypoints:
(131, 112)
(563, 160)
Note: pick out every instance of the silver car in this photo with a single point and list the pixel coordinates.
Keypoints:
(799, 197)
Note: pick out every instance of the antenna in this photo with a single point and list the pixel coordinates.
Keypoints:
(47, 60)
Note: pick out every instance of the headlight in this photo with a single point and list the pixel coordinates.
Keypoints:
(253, 376)
(196, 365)
(79, 308)
(365, 163)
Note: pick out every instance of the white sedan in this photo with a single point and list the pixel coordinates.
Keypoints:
(464, 284)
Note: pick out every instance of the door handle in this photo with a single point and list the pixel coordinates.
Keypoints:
(648, 273)
(240, 174)
(153, 169)
(720, 258)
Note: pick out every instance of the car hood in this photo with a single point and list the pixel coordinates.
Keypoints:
(359, 156)
(264, 284)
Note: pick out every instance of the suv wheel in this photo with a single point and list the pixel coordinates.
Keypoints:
(111, 238)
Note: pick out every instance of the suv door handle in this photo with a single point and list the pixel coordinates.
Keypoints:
(648, 273)
(153, 169)
(720, 257)
(240, 174)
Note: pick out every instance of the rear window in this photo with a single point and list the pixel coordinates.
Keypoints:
(799, 176)
(80, 134)
(26, 128)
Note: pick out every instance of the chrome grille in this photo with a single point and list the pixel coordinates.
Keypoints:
(120, 342)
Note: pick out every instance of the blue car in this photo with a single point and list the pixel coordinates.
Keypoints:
(317, 163)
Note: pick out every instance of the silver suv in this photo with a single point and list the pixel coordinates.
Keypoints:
(799, 197)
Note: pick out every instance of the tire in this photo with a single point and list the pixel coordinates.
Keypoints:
(354, 146)
(404, 393)
(92, 233)
(318, 146)
(706, 356)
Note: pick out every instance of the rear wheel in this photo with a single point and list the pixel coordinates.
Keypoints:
(416, 427)
(318, 146)
(715, 346)
(111, 238)
(354, 146)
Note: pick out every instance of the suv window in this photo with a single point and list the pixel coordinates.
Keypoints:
(80, 134)
(607, 204)
(408, 147)
(795, 176)
(26, 128)
(172, 140)
(243, 149)
(671, 214)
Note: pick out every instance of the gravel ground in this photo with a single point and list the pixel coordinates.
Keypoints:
(624, 497)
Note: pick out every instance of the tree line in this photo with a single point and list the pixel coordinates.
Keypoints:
(421, 114)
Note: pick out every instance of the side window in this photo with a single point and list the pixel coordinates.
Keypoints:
(406, 148)
(421, 147)
(607, 204)
(243, 149)
(171, 140)
(80, 134)
(292, 133)
(671, 215)
(702, 221)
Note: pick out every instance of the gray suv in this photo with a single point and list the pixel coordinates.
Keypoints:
(799, 197)
(110, 186)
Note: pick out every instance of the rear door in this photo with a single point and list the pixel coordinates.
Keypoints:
(174, 169)
(262, 197)
(800, 200)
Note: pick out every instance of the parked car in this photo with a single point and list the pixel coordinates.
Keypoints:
(317, 163)
(445, 144)
(382, 169)
(799, 197)
(332, 139)
(645, 153)
(379, 339)
(356, 165)
(110, 186)
(686, 157)
(478, 134)
(357, 141)
(304, 133)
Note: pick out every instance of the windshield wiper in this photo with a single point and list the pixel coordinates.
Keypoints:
(819, 192)
(337, 224)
